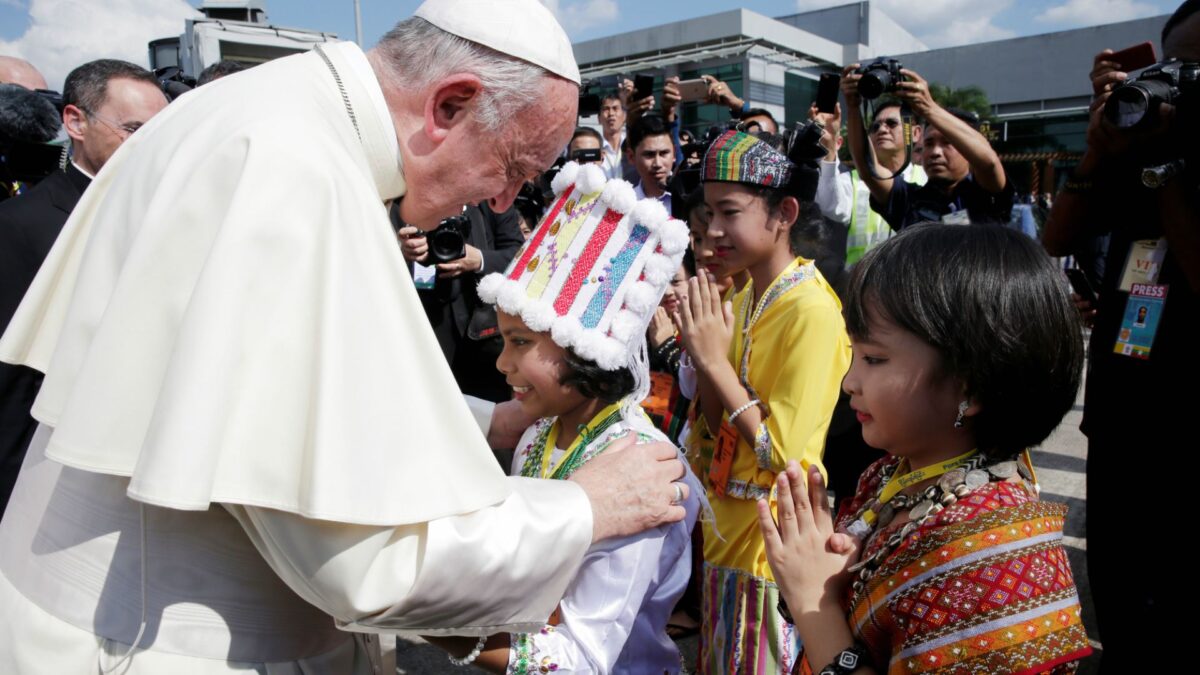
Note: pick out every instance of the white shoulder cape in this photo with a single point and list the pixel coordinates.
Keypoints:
(226, 316)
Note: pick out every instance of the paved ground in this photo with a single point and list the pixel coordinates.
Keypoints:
(1060, 464)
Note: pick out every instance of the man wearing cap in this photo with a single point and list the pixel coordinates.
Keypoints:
(248, 438)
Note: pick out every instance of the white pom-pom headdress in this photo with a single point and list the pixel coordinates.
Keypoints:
(594, 269)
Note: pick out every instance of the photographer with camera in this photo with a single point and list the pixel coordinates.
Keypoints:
(1137, 412)
(447, 265)
(966, 181)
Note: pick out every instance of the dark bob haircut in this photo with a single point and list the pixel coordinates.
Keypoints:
(592, 381)
(994, 306)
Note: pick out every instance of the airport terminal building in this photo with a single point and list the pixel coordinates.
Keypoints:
(1037, 85)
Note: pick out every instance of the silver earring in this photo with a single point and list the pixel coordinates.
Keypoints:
(962, 412)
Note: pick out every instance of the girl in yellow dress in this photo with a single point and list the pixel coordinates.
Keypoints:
(769, 365)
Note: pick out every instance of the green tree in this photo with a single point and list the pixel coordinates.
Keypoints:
(972, 99)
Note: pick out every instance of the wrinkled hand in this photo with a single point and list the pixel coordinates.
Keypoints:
(413, 245)
(1105, 74)
(808, 558)
(661, 329)
(832, 128)
(471, 262)
(631, 489)
(850, 78)
(915, 90)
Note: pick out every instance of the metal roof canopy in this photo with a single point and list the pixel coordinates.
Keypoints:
(722, 35)
(723, 48)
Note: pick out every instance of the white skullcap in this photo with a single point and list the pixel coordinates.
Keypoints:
(523, 29)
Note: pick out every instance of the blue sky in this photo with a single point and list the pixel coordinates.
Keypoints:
(57, 34)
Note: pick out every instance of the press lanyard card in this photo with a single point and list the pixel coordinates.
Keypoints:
(1143, 311)
(424, 277)
(1143, 263)
(959, 217)
(718, 472)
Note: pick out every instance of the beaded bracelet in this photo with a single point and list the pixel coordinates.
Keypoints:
(469, 658)
(749, 404)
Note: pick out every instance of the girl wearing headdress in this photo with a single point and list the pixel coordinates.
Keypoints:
(573, 309)
(769, 365)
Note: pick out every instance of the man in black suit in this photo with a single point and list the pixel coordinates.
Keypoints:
(464, 326)
(105, 102)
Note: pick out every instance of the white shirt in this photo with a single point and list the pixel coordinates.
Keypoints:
(614, 614)
(612, 156)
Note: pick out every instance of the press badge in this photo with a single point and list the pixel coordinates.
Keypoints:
(959, 217)
(1143, 263)
(424, 277)
(1143, 311)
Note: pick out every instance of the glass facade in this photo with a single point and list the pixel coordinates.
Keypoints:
(1064, 133)
(799, 92)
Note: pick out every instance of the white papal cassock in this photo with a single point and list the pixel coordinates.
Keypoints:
(247, 427)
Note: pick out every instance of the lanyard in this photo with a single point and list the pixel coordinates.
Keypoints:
(895, 485)
(587, 434)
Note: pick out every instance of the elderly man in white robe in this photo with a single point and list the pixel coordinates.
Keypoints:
(248, 439)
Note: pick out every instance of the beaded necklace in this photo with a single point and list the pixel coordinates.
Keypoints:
(537, 463)
(968, 476)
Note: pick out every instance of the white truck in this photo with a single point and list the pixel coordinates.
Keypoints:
(231, 30)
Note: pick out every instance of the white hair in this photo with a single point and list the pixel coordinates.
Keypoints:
(416, 54)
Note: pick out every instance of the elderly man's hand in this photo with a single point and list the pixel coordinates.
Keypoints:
(632, 489)
(471, 262)
(413, 244)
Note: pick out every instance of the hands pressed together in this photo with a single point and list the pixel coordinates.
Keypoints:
(705, 323)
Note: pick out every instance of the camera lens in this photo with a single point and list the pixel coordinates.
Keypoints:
(1135, 103)
(874, 82)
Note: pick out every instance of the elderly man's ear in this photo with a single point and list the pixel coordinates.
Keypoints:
(449, 103)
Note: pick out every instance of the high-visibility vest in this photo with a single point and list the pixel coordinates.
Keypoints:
(867, 227)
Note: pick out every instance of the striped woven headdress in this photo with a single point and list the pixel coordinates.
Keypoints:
(738, 157)
(594, 269)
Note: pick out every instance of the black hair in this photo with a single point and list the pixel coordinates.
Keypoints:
(808, 229)
(611, 97)
(759, 112)
(86, 86)
(589, 132)
(995, 308)
(592, 381)
(645, 127)
(889, 102)
(218, 70)
(1182, 13)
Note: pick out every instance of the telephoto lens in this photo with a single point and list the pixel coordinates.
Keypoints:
(878, 78)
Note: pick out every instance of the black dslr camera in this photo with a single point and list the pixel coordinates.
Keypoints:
(448, 242)
(879, 77)
(1134, 104)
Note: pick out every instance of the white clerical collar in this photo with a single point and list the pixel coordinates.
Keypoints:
(81, 170)
(376, 126)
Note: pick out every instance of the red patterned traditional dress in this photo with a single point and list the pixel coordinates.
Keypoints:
(984, 586)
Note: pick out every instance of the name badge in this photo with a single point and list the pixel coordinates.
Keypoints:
(1143, 263)
(424, 277)
(959, 217)
(1143, 310)
(722, 462)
